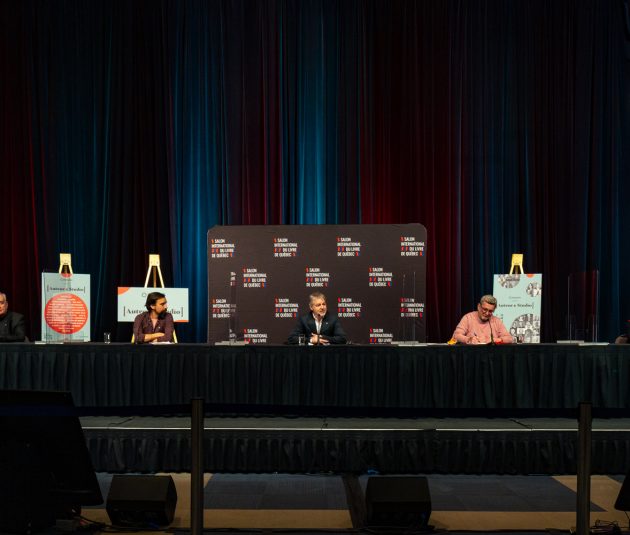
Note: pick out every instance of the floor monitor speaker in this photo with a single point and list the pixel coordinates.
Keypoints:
(141, 501)
(398, 501)
(623, 499)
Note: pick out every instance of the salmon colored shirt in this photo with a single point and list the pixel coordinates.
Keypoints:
(484, 331)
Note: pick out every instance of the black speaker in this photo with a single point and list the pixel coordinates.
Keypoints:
(141, 501)
(398, 501)
(623, 500)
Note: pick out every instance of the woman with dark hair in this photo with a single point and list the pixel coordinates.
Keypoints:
(156, 324)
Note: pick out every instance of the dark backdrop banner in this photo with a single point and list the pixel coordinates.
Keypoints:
(130, 128)
(260, 277)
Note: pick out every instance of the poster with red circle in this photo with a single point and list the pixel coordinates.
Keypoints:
(65, 307)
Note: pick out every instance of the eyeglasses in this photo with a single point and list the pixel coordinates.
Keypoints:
(487, 310)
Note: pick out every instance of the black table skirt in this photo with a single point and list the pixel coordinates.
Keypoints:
(388, 377)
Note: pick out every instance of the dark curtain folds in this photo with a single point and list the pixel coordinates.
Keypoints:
(424, 452)
(129, 128)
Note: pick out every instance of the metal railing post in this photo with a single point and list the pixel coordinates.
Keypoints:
(584, 469)
(196, 467)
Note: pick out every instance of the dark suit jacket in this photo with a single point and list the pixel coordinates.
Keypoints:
(12, 327)
(331, 329)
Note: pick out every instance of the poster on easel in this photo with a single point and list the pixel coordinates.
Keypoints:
(65, 307)
(131, 302)
(519, 299)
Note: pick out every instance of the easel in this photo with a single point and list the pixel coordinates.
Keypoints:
(154, 269)
(65, 270)
(65, 264)
(517, 263)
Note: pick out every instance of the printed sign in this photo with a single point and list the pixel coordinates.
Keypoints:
(65, 307)
(131, 302)
(519, 299)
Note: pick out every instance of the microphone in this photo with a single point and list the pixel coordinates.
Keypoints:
(491, 335)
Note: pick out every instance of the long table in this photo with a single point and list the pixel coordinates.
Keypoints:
(536, 376)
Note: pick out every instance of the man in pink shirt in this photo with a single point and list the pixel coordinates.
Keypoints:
(481, 327)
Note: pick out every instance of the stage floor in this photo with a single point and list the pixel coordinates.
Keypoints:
(304, 504)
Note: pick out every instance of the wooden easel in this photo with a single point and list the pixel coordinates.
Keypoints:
(154, 269)
(517, 263)
(65, 263)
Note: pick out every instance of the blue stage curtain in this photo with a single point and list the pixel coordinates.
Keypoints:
(129, 128)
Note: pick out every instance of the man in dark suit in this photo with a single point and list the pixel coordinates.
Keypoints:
(12, 327)
(318, 327)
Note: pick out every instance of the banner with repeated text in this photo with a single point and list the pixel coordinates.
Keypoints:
(260, 277)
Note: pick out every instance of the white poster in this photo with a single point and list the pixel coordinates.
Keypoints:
(519, 299)
(131, 302)
(65, 307)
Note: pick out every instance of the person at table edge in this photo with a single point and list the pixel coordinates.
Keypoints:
(481, 327)
(12, 325)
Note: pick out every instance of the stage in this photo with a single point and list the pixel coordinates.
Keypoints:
(346, 409)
